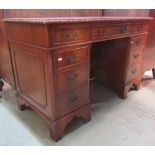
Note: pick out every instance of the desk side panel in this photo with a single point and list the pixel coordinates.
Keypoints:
(32, 64)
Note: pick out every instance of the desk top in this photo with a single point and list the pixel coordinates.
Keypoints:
(56, 20)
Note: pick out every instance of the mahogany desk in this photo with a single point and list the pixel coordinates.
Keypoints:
(54, 58)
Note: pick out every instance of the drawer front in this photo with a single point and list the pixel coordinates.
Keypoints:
(72, 79)
(138, 41)
(72, 100)
(101, 31)
(141, 28)
(136, 55)
(71, 57)
(70, 34)
(120, 29)
(133, 71)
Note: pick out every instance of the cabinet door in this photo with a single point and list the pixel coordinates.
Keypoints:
(33, 73)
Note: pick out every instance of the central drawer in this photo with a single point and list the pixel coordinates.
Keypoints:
(102, 31)
(120, 29)
(64, 58)
(73, 78)
(72, 100)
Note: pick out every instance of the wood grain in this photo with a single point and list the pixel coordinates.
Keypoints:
(52, 64)
(35, 13)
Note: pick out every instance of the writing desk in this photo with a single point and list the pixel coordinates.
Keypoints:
(54, 59)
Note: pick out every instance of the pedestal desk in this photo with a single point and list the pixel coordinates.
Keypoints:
(55, 58)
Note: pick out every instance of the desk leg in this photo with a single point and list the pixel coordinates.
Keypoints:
(21, 103)
(122, 93)
(153, 72)
(132, 86)
(57, 127)
(1, 85)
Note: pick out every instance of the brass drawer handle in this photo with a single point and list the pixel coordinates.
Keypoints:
(71, 37)
(76, 34)
(136, 56)
(73, 77)
(71, 58)
(134, 71)
(124, 29)
(74, 99)
(68, 36)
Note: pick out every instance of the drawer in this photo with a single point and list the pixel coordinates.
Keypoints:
(71, 57)
(72, 79)
(101, 31)
(120, 29)
(136, 55)
(70, 34)
(72, 100)
(138, 41)
(140, 28)
(133, 71)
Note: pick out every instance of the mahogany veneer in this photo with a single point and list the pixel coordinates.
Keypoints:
(53, 57)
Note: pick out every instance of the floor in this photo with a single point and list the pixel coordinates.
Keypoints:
(114, 121)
